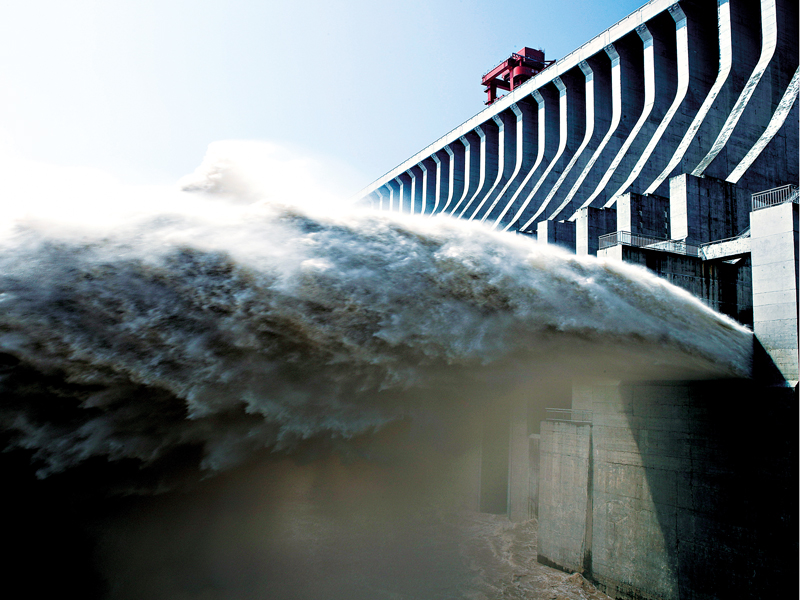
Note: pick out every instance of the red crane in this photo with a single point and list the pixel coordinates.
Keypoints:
(513, 71)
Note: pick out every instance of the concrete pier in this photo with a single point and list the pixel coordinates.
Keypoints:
(675, 88)
(657, 497)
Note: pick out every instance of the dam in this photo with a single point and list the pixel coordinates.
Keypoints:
(670, 141)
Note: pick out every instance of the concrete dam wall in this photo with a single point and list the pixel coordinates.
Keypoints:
(699, 88)
(670, 141)
(646, 144)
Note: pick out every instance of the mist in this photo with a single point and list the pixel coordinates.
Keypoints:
(245, 387)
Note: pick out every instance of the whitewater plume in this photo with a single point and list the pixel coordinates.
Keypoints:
(221, 321)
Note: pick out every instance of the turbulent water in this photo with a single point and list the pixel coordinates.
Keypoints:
(178, 333)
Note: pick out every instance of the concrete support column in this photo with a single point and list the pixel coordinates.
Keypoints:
(504, 140)
(643, 215)
(703, 209)
(474, 151)
(413, 191)
(550, 118)
(600, 158)
(769, 39)
(455, 173)
(780, 163)
(560, 233)
(423, 192)
(518, 463)
(537, 165)
(611, 177)
(578, 159)
(487, 161)
(576, 127)
(429, 183)
(671, 58)
(765, 143)
(636, 74)
(541, 187)
(774, 243)
(401, 191)
(519, 159)
(438, 183)
(590, 223)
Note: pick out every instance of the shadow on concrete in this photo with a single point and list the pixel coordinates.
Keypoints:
(730, 518)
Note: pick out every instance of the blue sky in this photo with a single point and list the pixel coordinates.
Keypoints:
(139, 88)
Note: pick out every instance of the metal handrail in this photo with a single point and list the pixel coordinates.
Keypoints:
(626, 238)
(775, 196)
(744, 234)
(568, 414)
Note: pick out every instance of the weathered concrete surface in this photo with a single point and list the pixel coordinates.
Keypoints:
(644, 215)
(724, 286)
(727, 249)
(518, 462)
(707, 209)
(681, 508)
(590, 224)
(559, 233)
(565, 453)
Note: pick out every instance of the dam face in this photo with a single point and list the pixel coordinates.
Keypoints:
(670, 141)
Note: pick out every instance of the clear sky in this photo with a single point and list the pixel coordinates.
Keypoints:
(139, 88)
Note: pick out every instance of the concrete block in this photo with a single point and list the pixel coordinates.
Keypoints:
(775, 219)
(776, 297)
(644, 215)
(775, 312)
(590, 224)
(773, 248)
(774, 277)
(777, 334)
(560, 233)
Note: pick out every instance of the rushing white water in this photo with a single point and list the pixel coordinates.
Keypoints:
(225, 319)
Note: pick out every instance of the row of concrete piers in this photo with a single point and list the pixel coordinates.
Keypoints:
(663, 126)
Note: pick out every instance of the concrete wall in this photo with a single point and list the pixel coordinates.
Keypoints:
(644, 215)
(706, 209)
(564, 497)
(725, 284)
(560, 233)
(590, 224)
(696, 87)
(774, 250)
(683, 506)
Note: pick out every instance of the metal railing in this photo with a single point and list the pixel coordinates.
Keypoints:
(568, 414)
(744, 234)
(626, 238)
(778, 195)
